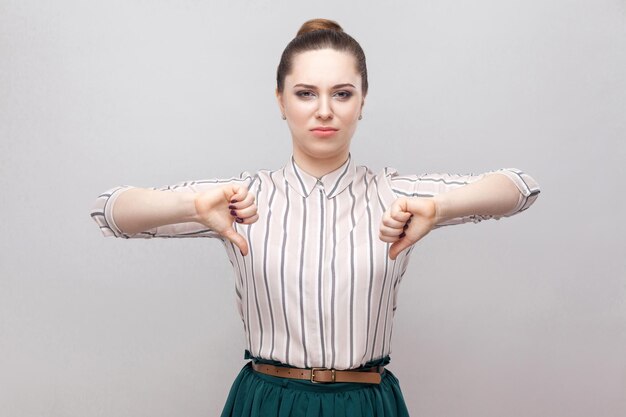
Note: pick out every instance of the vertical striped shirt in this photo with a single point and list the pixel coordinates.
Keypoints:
(317, 288)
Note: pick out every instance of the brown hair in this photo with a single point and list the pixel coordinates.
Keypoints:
(321, 34)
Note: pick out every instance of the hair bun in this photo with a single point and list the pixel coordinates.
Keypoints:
(319, 24)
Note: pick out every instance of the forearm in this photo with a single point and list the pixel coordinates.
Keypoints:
(495, 194)
(139, 209)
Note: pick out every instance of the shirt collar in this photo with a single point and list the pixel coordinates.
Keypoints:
(334, 182)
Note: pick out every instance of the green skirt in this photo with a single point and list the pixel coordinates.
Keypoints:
(258, 395)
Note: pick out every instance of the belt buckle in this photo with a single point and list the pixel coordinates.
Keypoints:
(332, 372)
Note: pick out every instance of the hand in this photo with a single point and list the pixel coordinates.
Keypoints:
(406, 221)
(218, 208)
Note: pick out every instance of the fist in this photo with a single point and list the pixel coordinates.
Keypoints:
(220, 207)
(406, 221)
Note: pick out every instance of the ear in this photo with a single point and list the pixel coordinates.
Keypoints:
(279, 99)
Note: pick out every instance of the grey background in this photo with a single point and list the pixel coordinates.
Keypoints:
(519, 317)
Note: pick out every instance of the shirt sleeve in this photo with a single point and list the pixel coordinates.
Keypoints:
(102, 209)
(431, 184)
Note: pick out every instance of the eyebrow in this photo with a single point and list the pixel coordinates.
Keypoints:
(314, 87)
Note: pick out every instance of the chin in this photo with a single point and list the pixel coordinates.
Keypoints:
(324, 151)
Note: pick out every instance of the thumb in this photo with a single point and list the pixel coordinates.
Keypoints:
(398, 246)
(237, 239)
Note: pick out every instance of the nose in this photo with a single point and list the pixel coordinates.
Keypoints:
(324, 109)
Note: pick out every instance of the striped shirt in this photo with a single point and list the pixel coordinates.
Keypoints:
(317, 288)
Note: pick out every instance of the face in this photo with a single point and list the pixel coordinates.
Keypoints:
(322, 100)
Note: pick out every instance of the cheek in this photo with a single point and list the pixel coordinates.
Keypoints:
(301, 111)
(298, 119)
(349, 108)
(349, 113)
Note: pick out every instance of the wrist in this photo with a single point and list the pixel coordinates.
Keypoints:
(187, 203)
(441, 207)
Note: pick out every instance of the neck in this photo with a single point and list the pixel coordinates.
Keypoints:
(319, 167)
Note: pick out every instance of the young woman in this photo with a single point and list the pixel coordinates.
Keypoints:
(320, 245)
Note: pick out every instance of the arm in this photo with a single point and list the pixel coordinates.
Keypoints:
(492, 199)
(140, 209)
(493, 196)
(190, 209)
(453, 199)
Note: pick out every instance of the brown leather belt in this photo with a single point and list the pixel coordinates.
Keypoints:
(366, 375)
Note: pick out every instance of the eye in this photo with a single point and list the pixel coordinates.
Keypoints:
(305, 94)
(344, 95)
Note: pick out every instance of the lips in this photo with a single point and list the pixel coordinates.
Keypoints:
(324, 129)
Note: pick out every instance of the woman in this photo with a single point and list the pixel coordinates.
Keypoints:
(320, 245)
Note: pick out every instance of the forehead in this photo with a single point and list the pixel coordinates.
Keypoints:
(323, 67)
